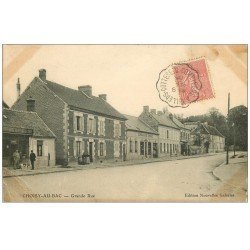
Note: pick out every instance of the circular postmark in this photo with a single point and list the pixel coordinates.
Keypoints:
(181, 84)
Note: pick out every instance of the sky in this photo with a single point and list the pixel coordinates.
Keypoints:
(126, 73)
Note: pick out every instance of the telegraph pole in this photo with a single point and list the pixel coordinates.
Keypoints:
(227, 159)
(234, 138)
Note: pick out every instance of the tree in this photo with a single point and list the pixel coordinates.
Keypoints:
(237, 121)
(218, 120)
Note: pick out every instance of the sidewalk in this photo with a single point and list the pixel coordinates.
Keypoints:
(10, 172)
(235, 173)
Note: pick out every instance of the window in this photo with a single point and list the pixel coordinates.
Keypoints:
(142, 147)
(167, 134)
(136, 145)
(116, 149)
(164, 147)
(101, 148)
(161, 147)
(149, 148)
(101, 127)
(130, 146)
(39, 148)
(78, 148)
(78, 123)
(117, 131)
(92, 125)
(167, 148)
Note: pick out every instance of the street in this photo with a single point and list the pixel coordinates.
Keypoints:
(188, 180)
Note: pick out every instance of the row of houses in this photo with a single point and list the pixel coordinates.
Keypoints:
(60, 123)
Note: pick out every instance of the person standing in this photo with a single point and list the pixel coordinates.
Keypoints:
(32, 159)
(16, 158)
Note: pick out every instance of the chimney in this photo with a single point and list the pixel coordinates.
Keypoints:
(159, 113)
(103, 96)
(18, 87)
(153, 111)
(42, 74)
(31, 104)
(171, 116)
(145, 109)
(86, 89)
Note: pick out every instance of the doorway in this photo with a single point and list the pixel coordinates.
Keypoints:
(155, 152)
(124, 152)
(91, 151)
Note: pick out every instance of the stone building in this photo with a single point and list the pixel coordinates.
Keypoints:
(207, 138)
(142, 140)
(169, 132)
(81, 121)
(25, 131)
(184, 136)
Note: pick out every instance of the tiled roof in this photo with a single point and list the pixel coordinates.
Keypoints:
(26, 120)
(134, 123)
(207, 129)
(164, 120)
(179, 124)
(78, 99)
(212, 130)
(5, 105)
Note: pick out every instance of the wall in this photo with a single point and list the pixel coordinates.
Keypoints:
(217, 144)
(169, 141)
(85, 137)
(139, 137)
(48, 148)
(50, 108)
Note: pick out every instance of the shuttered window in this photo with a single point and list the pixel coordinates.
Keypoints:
(130, 146)
(78, 148)
(149, 148)
(142, 148)
(136, 146)
(78, 123)
(101, 148)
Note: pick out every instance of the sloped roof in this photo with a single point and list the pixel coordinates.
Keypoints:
(212, 130)
(179, 123)
(207, 129)
(164, 120)
(26, 120)
(134, 123)
(78, 99)
(5, 105)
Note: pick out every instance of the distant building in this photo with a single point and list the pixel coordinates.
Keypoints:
(142, 140)
(184, 137)
(207, 138)
(81, 122)
(169, 132)
(191, 125)
(25, 131)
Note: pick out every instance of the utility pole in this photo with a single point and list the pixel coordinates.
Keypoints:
(234, 138)
(227, 159)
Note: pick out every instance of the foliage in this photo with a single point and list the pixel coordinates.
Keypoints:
(237, 120)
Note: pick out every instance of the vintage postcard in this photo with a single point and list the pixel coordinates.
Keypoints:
(124, 123)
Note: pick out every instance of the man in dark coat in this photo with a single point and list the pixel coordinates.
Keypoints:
(32, 159)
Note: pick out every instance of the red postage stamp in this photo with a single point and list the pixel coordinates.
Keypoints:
(193, 81)
(181, 84)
